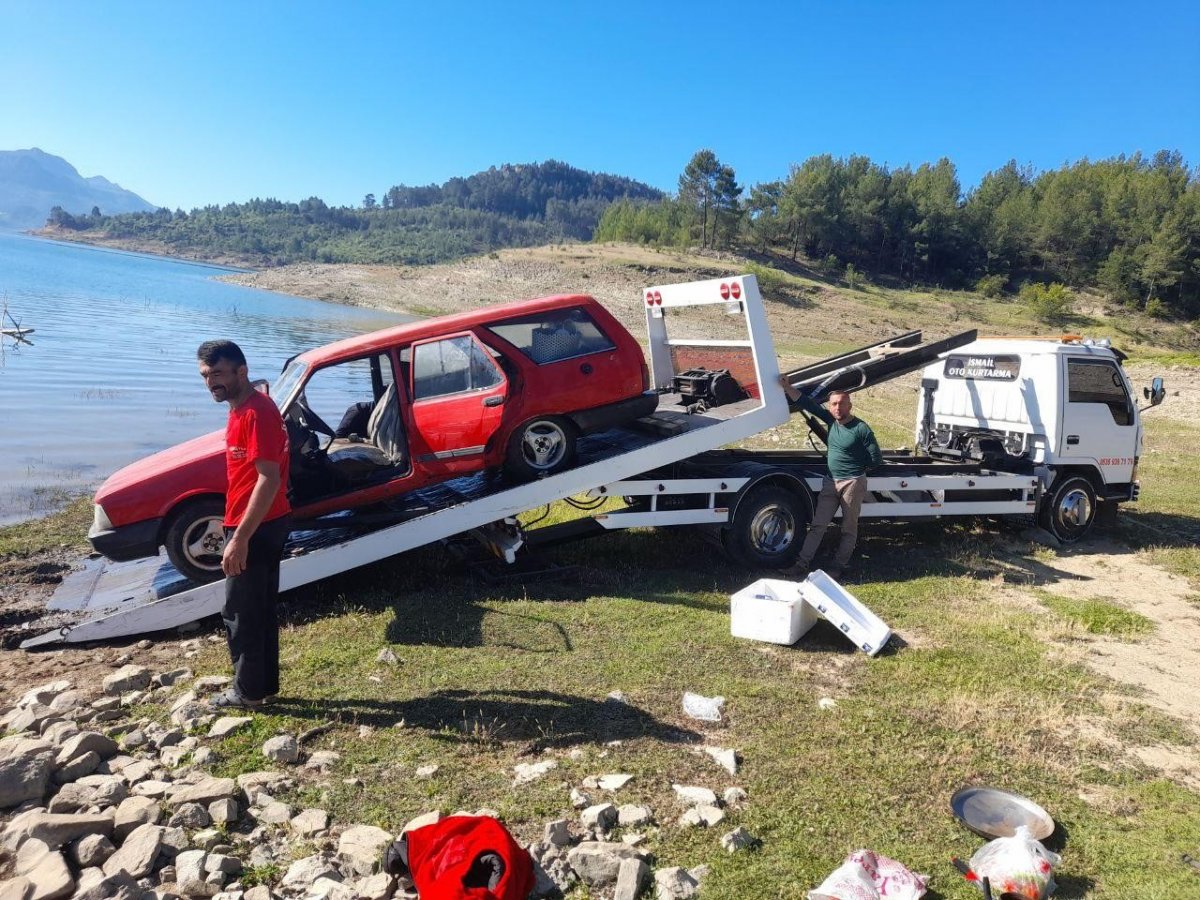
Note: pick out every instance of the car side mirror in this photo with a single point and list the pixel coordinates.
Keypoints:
(264, 387)
(1155, 393)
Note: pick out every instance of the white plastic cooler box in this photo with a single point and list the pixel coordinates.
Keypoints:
(770, 610)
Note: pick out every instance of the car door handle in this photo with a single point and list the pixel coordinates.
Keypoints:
(1072, 440)
(493, 401)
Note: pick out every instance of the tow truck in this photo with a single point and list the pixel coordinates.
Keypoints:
(1005, 427)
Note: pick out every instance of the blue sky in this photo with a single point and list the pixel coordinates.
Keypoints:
(190, 103)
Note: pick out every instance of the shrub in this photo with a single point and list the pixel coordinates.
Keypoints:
(830, 265)
(1156, 309)
(854, 278)
(1050, 303)
(992, 286)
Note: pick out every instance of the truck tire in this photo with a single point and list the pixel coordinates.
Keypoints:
(1069, 509)
(768, 528)
(195, 538)
(540, 447)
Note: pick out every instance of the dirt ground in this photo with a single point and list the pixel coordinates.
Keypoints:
(1163, 668)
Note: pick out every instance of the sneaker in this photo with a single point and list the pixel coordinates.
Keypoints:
(231, 699)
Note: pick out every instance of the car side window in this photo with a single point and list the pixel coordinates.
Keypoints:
(1099, 381)
(452, 366)
(555, 335)
(344, 392)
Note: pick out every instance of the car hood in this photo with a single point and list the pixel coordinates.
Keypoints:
(194, 454)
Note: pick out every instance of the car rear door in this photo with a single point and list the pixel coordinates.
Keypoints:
(458, 394)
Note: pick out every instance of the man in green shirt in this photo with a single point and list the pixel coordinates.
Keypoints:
(852, 451)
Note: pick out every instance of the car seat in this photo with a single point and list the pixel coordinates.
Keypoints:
(383, 446)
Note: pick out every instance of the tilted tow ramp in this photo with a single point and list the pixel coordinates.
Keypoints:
(108, 600)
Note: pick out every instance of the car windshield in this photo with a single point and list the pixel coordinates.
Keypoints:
(285, 385)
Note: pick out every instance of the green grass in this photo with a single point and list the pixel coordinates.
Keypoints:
(66, 528)
(490, 676)
(1097, 615)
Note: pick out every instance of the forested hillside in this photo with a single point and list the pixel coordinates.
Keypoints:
(1128, 226)
(509, 206)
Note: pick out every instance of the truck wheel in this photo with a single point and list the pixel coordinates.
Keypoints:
(1069, 509)
(768, 528)
(540, 447)
(195, 538)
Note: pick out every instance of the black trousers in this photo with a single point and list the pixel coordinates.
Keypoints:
(251, 624)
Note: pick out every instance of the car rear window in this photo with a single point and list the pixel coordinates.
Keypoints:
(552, 336)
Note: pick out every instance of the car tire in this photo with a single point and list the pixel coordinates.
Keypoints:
(195, 538)
(1069, 509)
(768, 528)
(541, 447)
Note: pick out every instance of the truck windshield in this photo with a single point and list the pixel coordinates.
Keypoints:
(285, 385)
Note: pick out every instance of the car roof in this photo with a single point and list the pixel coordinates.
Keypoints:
(376, 341)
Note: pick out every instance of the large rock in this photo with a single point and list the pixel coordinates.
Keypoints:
(267, 781)
(309, 822)
(46, 869)
(16, 888)
(24, 771)
(281, 748)
(223, 812)
(599, 863)
(675, 883)
(43, 695)
(205, 792)
(80, 766)
(54, 829)
(602, 816)
(694, 796)
(724, 757)
(73, 798)
(110, 789)
(91, 850)
(127, 678)
(137, 854)
(227, 725)
(738, 839)
(524, 773)
(631, 877)
(375, 887)
(133, 813)
(304, 872)
(119, 886)
(79, 744)
(631, 815)
(361, 847)
(190, 815)
(703, 815)
(189, 866)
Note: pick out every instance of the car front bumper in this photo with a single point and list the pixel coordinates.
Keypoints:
(122, 543)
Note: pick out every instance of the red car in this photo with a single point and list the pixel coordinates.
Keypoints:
(373, 417)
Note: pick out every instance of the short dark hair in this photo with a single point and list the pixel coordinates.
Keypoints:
(212, 352)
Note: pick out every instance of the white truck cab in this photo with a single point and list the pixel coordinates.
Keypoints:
(1064, 405)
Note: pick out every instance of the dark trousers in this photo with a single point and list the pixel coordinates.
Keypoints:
(251, 625)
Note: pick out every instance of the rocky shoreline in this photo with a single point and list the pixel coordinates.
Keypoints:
(100, 802)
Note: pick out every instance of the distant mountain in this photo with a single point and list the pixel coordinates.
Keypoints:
(507, 206)
(32, 182)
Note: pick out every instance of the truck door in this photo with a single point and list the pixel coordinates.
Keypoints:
(1099, 424)
(458, 394)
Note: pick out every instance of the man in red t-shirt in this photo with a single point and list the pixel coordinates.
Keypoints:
(257, 521)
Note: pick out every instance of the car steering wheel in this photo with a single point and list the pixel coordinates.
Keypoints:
(310, 420)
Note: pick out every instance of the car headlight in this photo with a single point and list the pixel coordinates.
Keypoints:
(100, 520)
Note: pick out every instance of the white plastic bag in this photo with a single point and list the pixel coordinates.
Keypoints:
(1016, 865)
(707, 709)
(867, 875)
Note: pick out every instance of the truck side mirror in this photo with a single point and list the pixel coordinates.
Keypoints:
(1156, 392)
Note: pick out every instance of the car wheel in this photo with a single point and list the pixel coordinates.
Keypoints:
(1069, 509)
(768, 528)
(541, 447)
(195, 538)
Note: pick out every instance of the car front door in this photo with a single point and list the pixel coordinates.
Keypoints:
(458, 394)
(1098, 421)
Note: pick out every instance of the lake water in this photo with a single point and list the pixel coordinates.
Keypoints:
(111, 374)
